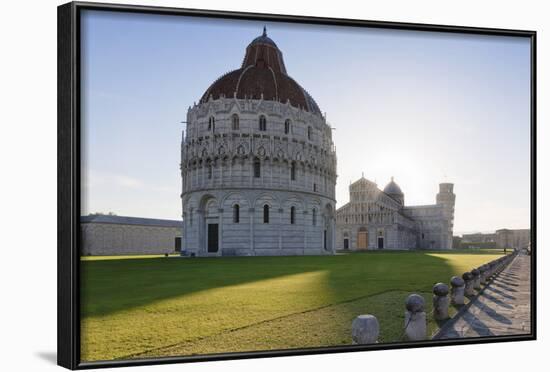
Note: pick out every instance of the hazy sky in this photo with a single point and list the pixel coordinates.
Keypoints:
(422, 107)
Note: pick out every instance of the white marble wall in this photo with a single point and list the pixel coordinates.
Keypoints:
(250, 235)
(415, 227)
(218, 172)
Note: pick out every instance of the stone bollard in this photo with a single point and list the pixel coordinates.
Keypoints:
(487, 272)
(441, 301)
(457, 290)
(468, 283)
(490, 270)
(483, 274)
(476, 279)
(415, 318)
(365, 329)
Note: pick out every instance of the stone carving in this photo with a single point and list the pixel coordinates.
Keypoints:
(241, 150)
(261, 151)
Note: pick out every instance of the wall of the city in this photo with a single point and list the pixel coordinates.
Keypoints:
(516, 239)
(99, 239)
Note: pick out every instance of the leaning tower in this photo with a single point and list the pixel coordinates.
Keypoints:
(258, 164)
(446, 198)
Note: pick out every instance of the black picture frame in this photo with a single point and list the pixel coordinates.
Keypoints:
(68, 321)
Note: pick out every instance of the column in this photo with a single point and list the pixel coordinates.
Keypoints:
(220, 231)
(251, 215)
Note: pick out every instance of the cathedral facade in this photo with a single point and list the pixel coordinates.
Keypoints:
(258, 164)
(378, 219)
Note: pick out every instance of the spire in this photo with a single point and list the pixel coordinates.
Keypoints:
(265, 31)
(392, 178)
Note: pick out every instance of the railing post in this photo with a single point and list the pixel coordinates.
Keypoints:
(483, 274)
(468, 283)
(457, 290)
(365, 329)
(415, 318)
(476, 280)
(491, 270)
(441, 301)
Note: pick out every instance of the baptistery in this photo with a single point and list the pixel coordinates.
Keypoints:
(258, 164)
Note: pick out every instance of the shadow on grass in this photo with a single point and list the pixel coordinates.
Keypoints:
(115, 285)
(353, 283)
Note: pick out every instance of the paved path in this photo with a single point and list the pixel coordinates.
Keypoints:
(503, 308)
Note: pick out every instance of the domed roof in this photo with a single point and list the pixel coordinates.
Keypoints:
(393, 188)
(262, 75)
(264, 39)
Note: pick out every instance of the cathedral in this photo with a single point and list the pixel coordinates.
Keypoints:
(258, 164)
(378, 219)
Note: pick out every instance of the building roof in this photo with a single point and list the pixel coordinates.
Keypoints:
(393, 188)
(513, 230)
(262, 75)
(264, 39)
(124, 220)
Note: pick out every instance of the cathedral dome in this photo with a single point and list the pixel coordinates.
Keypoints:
(393, 188)
(262, 75)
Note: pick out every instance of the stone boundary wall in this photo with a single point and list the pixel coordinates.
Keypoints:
(106, 239)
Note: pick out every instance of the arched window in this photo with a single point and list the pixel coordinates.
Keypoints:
(235, 122)
(257, 168)
(293, 171)
(292, 215)
(287, 126)
(262, 123)
(314, 214)
(266, 213)
(211, 124)
(309, 133)
(209, 170)
(236, 213)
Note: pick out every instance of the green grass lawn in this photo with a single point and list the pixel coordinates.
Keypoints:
(158, 306)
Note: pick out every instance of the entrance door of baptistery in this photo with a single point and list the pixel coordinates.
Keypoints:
(213, 238)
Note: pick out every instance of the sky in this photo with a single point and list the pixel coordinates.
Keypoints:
(423, 107)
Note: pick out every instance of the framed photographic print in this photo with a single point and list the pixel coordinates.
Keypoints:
(236, 185)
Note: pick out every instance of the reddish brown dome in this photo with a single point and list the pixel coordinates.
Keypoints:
(263, 72)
